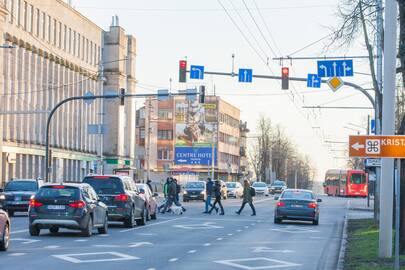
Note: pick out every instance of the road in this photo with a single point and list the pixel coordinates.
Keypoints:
(189, 241)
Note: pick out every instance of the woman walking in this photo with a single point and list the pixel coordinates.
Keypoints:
(248, 191)
(217, 193)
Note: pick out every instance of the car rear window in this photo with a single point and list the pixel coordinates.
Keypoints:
(277, 183)
(231, 185)
(58, 192)
(259, 184)
(299, 195)
(21, 186)
(195, 185)
(105, 185)
(358, 178)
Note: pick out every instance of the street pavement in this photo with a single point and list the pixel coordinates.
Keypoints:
(189, 241)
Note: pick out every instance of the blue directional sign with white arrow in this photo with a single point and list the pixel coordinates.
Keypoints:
(197, 72)
(335, 68)
(245, 75)
(313, 81)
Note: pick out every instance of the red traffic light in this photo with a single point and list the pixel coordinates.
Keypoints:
(285, 71)
(183, 64)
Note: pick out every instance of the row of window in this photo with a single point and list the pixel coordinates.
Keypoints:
(165, 114)
(228, 120)
(164, 154)
(52, 31)
(228, 158)
(228, 139)
(165, 135)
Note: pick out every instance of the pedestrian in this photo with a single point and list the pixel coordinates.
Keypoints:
(248, 193)
(218, 195)
(149, 183)
(178, 189)
(208, 191)
(171, 195)
(166, 187)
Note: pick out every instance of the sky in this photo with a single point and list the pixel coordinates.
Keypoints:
(201, 31)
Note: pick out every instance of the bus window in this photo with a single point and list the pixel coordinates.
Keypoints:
(343, 178)
(358, 179)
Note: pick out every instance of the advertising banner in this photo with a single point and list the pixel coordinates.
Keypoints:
(194, 156)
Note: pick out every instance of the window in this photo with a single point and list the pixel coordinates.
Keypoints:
(24, 16)
(64, 37)
(91, 53)
(10, 9)
(18, 12)
(60, 35)
(87, 51)
(74, 43)
(165, 134)
(38, 19)
(69, 38)
(142, 133)
(358, 178)
(78, 45)
(49, 22)
(165, 114)
(43, 28)
(163, 154)
(83, 47)
(31, 19)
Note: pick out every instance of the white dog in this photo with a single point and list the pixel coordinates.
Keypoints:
(177, 210)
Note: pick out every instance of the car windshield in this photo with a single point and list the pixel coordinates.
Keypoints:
(105, 185)
(278, 183)
(358, 178)
(231, 185)
(21, 186)
(195, 185)
(57, 192)
(299, 195)
(259, 184)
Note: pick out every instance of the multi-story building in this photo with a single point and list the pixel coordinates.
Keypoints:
(244, 169)
(54, 53)
(185, 138)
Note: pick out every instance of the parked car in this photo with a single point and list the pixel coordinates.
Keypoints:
(297, 204)
(224, 190)
(150, 199)
(260, 188)
(122, 197)
(73, 206)
(277, 187)
(194, 190)
(4, 230)
(234, 189)
(17, 194)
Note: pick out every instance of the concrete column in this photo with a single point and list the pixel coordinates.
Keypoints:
(3, 18)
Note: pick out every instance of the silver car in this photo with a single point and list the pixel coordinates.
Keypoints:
(235, 189)
(261, 188)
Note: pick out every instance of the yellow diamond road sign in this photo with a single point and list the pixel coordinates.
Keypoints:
(335, 83)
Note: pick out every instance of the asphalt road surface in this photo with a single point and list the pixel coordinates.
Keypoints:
(189, 241)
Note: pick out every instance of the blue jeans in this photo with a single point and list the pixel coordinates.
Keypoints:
(208, 203)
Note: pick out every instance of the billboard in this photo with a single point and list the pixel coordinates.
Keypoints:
(195, 132)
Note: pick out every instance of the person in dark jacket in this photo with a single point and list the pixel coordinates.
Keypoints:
(247, 198)
(165, 193)
(149, 183)
(171, 195)
(217, 194)
(208, 190)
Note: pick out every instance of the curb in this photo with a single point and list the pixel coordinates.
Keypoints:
(343, 242)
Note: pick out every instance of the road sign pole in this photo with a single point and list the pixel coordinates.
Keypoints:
(387, 168)
(397, 211)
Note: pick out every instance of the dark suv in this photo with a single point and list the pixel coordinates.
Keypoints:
(121, 196)
(17, 195)
(67, 205)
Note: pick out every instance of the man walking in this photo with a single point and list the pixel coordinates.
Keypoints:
(218, 195)
(208, 190)
(171, 195)
(248, 193)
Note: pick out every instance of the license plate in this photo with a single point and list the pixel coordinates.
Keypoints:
(56, 207)
(193, 196)
(17, 198)
(297, 206)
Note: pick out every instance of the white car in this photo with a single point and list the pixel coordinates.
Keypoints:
(235, 189)
(261, 188)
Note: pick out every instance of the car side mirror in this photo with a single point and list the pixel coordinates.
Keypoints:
(155, 194)
(276, 198)
(142, 191)
(318, 200)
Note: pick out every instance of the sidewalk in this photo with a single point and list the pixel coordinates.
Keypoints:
(358, 208)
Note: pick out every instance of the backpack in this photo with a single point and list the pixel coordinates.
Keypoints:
(252, 192)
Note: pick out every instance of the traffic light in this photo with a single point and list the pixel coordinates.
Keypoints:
(122, 94)
(182, 71)
(285, 74)
(202, 94)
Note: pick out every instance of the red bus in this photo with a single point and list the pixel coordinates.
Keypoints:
(346, 183)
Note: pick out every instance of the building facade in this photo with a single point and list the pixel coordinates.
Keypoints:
(185, 138)
(56, 53)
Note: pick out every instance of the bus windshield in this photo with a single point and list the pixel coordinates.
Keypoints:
(357, 178)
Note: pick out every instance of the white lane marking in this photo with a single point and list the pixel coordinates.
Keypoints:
(192, 251)
(81, 240)
(206, 225)
(16, 254)
(230, 234)
(114, 256)
(219, 239)
(147, 234)
(207, 244)
(153, 224)
(173, 259)
(249, 263)
(51, 247)
(238, 230)
(295, 230)
(103, 235)
(253, 224)
(19, 231)
(270, 250)
(151, 269)
(139, 244)
(105, 246)
(246, 227)
(24, 240)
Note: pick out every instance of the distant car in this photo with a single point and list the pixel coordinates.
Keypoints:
(122, 197)
(73, 206)
(235, 189)
(17, 194)
(261, 188)
(224, 190)
(4, 230)
(297, 204)
(277, 187)
(194, 190)
(150, 199)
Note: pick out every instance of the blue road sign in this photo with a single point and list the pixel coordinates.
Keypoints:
(372, 126)
(197, 72)
(313, 81)
(89, 98)
(335, 68)
(194, 155)
(245, 75)
(191, 94)
(163, 94)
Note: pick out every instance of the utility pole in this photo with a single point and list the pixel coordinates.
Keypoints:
(149, 129)
(387, 164)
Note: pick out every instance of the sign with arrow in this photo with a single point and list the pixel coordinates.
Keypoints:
(377, 146)
(245, 75)
(197, 72)
(335, 68)
(313, 81)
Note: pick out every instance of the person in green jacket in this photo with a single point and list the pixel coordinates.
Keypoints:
(166, 187)
(247, 198)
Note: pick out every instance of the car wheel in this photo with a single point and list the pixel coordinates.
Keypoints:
(54, 230)
(141, 221)
(34, 230)
(6, 238)
(104, 229)
(88, 231)
(153, 216)
(277, 220)
(10, 213)
(315, 222)
(129, 222)
(147, 214)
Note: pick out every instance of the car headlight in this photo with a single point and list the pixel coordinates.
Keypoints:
(202, 192)
(2, 197)
(185, 192)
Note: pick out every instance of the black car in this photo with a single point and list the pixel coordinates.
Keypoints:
(194, 190)
(67, 205)
(297, 204)
(121, 196)
(277, 187)
(17, 194)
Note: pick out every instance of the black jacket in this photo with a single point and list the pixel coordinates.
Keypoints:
(217, 190)
(172, 190)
